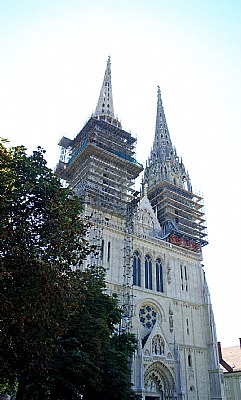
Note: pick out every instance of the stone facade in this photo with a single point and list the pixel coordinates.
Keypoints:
(150, 244)
(176, 356)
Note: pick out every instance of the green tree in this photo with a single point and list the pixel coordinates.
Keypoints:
(42, 235)
(57, 336)
(91, 361)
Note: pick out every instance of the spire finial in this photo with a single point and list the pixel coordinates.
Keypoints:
(105, 103)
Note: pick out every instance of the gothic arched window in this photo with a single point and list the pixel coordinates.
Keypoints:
(148, 272)
(136, 269)
(158, 345)
(159, 276)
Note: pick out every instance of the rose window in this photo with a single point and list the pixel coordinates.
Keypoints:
(148, 316)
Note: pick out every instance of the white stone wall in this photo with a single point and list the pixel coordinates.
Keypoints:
(184, 315)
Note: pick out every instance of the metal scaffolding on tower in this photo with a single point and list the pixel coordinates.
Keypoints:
(127, 295)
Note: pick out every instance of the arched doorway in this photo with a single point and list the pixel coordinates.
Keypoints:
(159, 382)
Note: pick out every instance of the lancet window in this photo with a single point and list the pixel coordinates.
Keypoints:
(159, 276)
(148, 272)
(136, 269)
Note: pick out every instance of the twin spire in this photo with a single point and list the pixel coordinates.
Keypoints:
(163, 163)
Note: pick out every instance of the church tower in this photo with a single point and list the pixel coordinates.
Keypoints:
(100, 166)
(179, 210)
(150, 244)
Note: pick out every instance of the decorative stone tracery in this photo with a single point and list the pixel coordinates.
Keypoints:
(148, 316)
(158, 345)
(158, 379)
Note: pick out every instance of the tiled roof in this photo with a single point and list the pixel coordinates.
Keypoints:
(232, 356)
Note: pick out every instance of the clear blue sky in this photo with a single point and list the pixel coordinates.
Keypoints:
(53, 57)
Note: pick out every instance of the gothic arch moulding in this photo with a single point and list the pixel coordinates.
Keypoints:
(160, 257)
(159, 379)
(138, 250)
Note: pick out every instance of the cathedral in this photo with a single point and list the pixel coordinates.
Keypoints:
(150, 243)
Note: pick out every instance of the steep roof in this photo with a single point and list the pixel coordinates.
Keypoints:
(232, 356)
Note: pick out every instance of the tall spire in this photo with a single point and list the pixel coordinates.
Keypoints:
(163, 163)
(105, 109)
(179, 210)
(162, 146)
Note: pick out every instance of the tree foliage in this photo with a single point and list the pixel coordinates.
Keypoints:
(41, 236)
(56, 324)
(91, 361)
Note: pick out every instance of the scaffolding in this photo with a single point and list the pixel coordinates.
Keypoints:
(127, 295)
(182, 212)
(96, 240)
(100, 166)
(93, 214)
(102, 161)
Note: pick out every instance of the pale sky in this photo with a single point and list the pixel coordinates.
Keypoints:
(53, 56)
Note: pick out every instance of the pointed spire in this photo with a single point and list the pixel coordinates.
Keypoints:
(162, 146)
(163, 163)
(105, 102)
